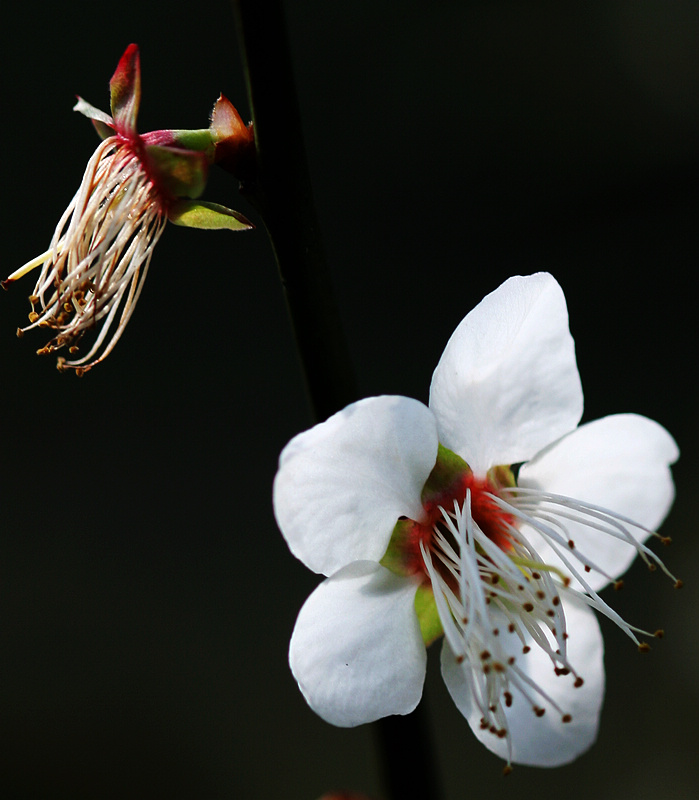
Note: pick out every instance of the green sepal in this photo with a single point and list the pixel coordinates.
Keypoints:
(427, 615)
(448, 468)
(393, 557)
(200, 140)
(502, 476)
(208, 216)
(178, 172)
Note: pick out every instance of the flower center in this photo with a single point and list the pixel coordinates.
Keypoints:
(491, 519)
(436, 531)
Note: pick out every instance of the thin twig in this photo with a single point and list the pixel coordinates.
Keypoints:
(280, 189)
(281, 192)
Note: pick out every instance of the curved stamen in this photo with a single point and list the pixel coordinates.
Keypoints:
(617, 526)
(473, 578)
(99, 254)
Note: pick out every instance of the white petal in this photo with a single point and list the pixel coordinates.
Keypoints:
(342, 485)
(356, 651)
(90, 111)
(544, 741)
(621, 463)
(507, 383)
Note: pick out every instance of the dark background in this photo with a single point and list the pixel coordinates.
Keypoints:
(146, 597)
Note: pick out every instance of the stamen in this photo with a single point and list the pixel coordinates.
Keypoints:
(481, 574)
(592, 516)
(28, 267)
(559, 546)
(99, 255)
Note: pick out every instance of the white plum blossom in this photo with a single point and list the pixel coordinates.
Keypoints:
(491, 519)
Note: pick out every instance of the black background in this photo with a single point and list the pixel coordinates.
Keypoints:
(146, 597)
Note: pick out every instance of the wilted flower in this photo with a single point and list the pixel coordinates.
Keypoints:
(93, 272)
(489, 518)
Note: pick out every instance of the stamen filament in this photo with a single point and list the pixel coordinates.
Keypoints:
(28, 267)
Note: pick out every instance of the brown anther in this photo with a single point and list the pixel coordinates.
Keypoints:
(42, 351)
(485, 655)
(561, 671)
(33, 316)
(566, 581)
(33, 299)
(618, 585)
(652, 567)
(498, 667)
(61, 364)
(520, 588)
(659, 633)
(20, 333)
(511, 660)
(79, 372)
(550, 613)
(678, 584)
(506, 770)
(68, 307)
(644, 647)
(496, 631)
(526, 649)
(508, 698)
(666, 540)
(587, 569)
(511, 627)
(571, 544)
(486, 669)
(460, 658)
(536, 576)
(556, 600)
(566, 718)
(493, 729)
(539, 711)
(484, 724)
(578, 683)
(541, 595)
(502, 733)
(464, 620)
(73, 349)
(528, 607)
(565, 635)
(44, 324)
(495, 579)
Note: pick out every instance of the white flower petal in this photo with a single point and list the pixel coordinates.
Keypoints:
(620, 463)
(356, 651)
(342, 485)
(507, 383)
(544, 741)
